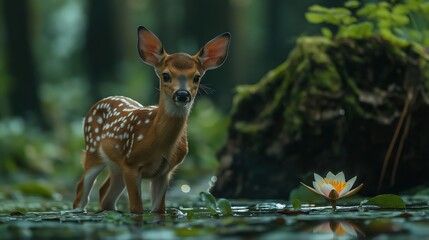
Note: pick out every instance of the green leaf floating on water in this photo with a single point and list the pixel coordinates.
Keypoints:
(386, 201)
(296, 203)
(225, 206)
(209, 201)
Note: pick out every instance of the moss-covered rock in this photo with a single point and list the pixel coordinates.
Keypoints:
(332, 105)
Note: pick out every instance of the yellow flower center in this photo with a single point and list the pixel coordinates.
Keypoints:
(337, 184)
(340, 230)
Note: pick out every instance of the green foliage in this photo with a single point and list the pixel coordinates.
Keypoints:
(210, 202)
(296, 203)
(116, 218)
(212, 206)
(386, 201)
(225, 207)
(397, 21)
(26, 148)
(36, 189)
(207, 130)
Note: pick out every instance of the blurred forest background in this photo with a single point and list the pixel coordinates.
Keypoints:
(57, 58)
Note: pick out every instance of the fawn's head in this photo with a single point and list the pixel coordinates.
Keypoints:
(180, 73)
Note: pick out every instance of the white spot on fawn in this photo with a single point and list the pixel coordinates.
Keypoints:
(96, 130)
(140, 137)
(147, 121)
(131, 145)
(89, 119)
(100, 120)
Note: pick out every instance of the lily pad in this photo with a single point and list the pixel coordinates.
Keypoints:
(387, 201)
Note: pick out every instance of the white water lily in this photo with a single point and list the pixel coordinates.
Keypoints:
(333, 187)
(339, 229)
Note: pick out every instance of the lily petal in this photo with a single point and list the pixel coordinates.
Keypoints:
(323, 228)
(330, 176)
(352, 181)
(340, 176)
(353, 191)
(345, 190)
(345, 229)
(311, 189)
(348, 187)
(316, 187)
(326, 189)
(318, 178)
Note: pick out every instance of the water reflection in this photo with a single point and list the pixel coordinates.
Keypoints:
(339, 229)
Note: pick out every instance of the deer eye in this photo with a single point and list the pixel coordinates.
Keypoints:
(166, 77)
(197, 78)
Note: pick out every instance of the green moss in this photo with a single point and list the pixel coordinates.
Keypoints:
(248, 128)
(319, 68)
(36, 189)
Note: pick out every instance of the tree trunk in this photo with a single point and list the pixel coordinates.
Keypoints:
(24, 95)
(102, 46)
(332, 106)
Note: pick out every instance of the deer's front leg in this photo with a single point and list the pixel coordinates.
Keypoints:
(133, 179)
(159, 186)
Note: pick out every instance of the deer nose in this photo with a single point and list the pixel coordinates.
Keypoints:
(183, 96)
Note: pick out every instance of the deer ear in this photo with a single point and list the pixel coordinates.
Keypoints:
(214, 53)
(149, 46)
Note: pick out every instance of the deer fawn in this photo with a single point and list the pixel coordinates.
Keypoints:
(138, 142)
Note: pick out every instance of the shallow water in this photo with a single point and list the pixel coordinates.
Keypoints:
(32, 218)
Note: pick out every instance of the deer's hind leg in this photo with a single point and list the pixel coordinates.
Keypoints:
(92, 167)
(112, 188)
